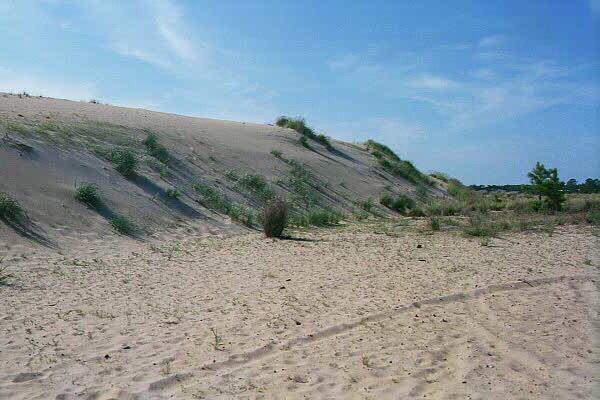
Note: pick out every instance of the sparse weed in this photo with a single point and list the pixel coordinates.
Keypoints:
(123, 225)
(277, 153)
(217, 340)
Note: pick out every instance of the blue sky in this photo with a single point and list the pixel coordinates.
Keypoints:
(478, 89)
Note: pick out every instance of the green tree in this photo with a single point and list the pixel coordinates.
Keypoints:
(545, 182)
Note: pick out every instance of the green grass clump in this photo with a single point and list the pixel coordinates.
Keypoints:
(88, 194)
(324, 140)
(10, 209)
(173, 193)
(302, 183)
(400, 204)
(390, 161)
(156, 149)
(318, 217)
(123, 226)
(434, 223)
(299, 125)
(256, 185)
(125, 161)
(277, 153)
(366, 205)
(304, 141)
(213, 199)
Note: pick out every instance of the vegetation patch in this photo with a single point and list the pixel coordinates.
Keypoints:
(213, 199)
(88, 194)
(390, 162)
(400, 203)
(318, 217)
(156, 149)
(125, 161)
(299, 125)
(123, 225)
(10, 209)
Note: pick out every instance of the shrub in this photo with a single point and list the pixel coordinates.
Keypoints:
(416, 212)
(403, 203)
(386, 200)
(156, 149)
(88, 194)
(10, 209)
(123, 225)
(275, 218)
(434, 223)
(125, 161)
(400, 204)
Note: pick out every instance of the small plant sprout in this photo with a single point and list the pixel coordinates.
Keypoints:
(218, 340)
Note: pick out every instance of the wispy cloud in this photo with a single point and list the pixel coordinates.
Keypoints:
(491, 41)
(431, 82)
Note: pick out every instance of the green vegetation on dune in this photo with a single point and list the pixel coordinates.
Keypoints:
(299, 125)
(390, 162)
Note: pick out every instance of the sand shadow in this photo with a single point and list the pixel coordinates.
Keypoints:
(28, 229)
(297, 239)
(172, 202)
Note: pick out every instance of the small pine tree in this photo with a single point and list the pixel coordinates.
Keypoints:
(545, 182)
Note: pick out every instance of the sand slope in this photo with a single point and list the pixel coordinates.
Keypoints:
(51, 145)
(347, 313)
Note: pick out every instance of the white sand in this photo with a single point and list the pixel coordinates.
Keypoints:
(331, 318)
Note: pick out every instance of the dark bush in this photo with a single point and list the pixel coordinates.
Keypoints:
(275, 217)
(10, 209)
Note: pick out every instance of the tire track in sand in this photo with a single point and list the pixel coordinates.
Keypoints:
(269, 349)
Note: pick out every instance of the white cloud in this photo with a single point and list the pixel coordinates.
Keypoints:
(168, 23)
(430, 82)
(491, 41)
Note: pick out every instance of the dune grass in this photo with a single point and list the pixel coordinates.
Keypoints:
(123, 225)
(125, 161)
(88, 194)
(156, 149)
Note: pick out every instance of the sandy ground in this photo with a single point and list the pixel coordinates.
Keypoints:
(354, 312)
